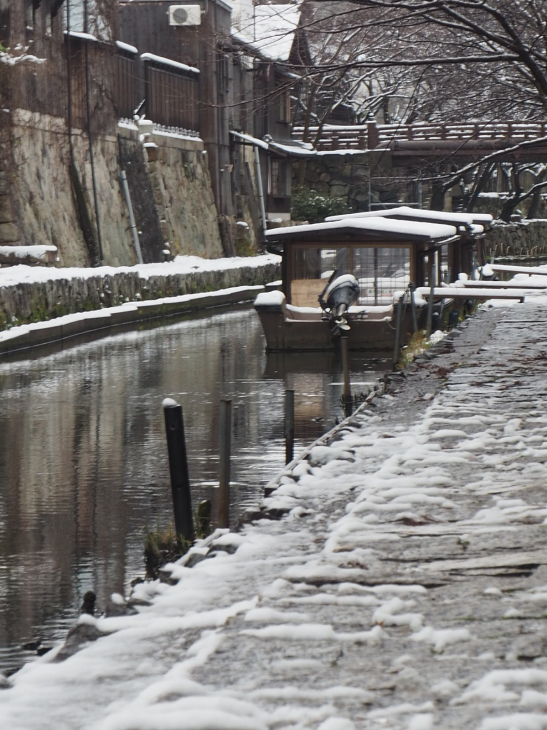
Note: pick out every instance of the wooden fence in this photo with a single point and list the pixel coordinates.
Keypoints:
(171, 93)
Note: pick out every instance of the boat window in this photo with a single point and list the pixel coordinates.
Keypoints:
(319, 263)
(381, 271)
(313, 267)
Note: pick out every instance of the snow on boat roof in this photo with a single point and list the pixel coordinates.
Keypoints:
(369, 225)
(408, 212)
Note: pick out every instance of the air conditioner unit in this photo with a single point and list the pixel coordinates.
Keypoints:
(185, 15)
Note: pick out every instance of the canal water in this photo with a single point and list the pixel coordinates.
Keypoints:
(83, 464)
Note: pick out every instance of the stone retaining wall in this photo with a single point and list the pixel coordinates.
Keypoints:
(528, 238)
(39, 301)
(168, 177)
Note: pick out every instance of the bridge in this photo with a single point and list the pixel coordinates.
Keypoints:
(421, 143)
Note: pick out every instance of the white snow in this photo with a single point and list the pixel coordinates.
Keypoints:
(21, 252)
(181, 265)
(270, 299)
(373, 224)
(168, 62)
(168, 402)
(126, 47)
(431, 215)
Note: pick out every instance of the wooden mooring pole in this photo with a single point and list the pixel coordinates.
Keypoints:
(433, 284)
(401, 305)
(224, 465)
(178, 468)
(348, 401)
(289, 426)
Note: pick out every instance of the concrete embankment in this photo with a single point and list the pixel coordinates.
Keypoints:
(38, 306)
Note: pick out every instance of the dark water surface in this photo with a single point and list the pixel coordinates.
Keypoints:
(83, 465)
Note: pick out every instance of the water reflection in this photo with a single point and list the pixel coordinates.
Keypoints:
(83, 462)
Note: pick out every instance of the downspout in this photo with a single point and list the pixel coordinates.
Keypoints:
(260, 189)
(90, 138)
(69, 83)
(127, 196)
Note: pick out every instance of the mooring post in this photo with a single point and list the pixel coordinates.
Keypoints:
(178, 468)
(433, 283)
(413, 308)
(289, 426)
(345, 375)
(224, 465)
(398, 327)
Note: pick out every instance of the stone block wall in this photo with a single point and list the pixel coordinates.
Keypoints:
(528, 238)
(173, 198)
(43, 300)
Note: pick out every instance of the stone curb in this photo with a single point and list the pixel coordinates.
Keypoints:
(104, 321)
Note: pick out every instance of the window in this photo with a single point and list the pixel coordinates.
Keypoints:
(275, 177)
(284, 108)
(29, 14)
(380, 271)
(319, 263)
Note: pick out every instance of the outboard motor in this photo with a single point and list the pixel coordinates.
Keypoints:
(337, 297)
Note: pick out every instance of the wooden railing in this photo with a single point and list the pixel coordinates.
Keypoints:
(372, 135)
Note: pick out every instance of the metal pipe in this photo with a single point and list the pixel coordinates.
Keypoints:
(90, 140)
(259, 188)
(132, 223)
(224, 464)
(178, 468)
(127, 197)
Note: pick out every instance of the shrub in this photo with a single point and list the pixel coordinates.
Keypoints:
(308, 205)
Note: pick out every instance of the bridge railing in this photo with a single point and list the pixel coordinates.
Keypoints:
(372, 135)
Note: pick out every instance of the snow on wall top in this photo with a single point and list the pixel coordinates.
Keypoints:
(272, 29)
(13, 275)
(372, 224)
(436, 215)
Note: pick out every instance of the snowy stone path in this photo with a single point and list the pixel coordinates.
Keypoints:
(406, 587)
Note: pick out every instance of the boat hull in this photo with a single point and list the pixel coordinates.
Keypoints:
(286, 334)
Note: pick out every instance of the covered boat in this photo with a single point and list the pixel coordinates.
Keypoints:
(376, 259)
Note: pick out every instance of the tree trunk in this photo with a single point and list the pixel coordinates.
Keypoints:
(437, 196)
(479, 186)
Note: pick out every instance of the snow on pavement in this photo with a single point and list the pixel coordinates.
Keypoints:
(405, 587)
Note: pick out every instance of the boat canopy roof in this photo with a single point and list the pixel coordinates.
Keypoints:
(404, 212)
(372, 229)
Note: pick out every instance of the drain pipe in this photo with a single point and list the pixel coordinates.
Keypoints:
(90, 138)
(260, 189)
(127, 197)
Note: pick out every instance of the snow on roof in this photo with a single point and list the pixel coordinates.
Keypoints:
(295, 149)
(168, 62)
(408, 212)
(272, 29)
(372, 225)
